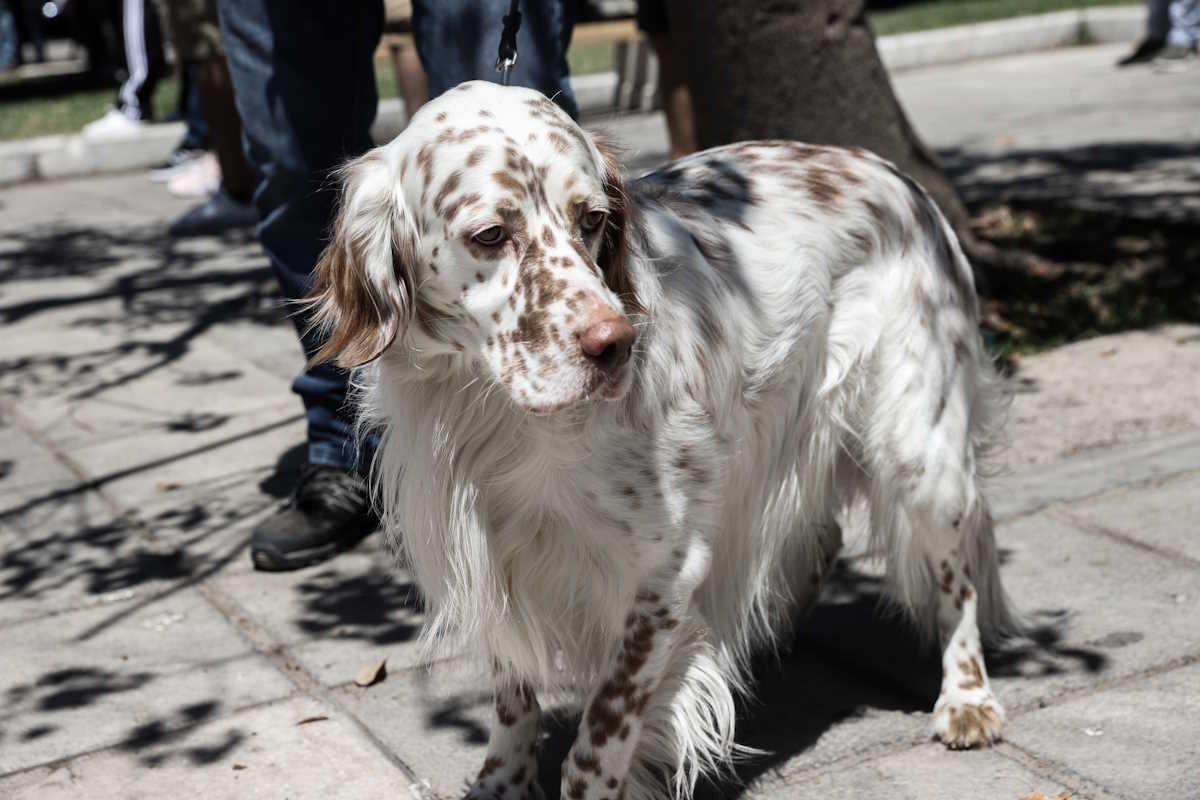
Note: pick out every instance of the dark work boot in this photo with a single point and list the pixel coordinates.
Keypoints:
(328, 513)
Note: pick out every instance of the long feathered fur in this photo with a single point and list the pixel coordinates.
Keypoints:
(806, 337)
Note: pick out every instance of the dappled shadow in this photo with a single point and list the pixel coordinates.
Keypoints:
(165, 738)
(847, 660)
(60, 690)
(1114, 230)
(146, 296)
(376, 607)
(58, 554)
(1149, 181)
(48, 706)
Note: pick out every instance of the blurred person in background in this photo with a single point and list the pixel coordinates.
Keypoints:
(1172, 32)
(194, 142)
(304, 81)
(457, 41)
(224, 176)
(653, 19)
(145, 63)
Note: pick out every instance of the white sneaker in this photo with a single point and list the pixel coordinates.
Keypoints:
(200, 177)
(113, 125)
(174, 164)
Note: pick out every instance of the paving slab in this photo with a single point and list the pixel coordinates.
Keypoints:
(137, 468)
(106, 676)
(804, 714)
(1165, 517)
(1140, 739)
(265, 752)
(1096, 393)
(26, 467)
(1054, 99)
(187, 398)
(65, 549)
(336, 618)
(928, 772)
(1064, 580)
(1028, 489)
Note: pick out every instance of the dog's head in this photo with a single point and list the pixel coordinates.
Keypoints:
(493, 228)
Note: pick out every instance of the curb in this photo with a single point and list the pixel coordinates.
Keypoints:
(1097, 25)
(70, 156)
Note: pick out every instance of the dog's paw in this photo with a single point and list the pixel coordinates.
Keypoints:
(962, 723)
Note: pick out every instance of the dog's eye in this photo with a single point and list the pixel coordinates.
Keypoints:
(593, 220)
(490, 236)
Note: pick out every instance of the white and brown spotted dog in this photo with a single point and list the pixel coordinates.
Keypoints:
(620, 421)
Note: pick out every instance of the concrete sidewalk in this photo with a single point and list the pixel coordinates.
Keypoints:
(146, 424)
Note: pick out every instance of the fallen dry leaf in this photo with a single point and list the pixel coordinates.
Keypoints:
(1035, 795)
(371, 674)
(169, 486)
(317, 718)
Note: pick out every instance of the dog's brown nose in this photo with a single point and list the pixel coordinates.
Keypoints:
(608, 342)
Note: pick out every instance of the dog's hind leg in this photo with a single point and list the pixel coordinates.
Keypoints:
(967, 714)
(929, 515)
(510, 768)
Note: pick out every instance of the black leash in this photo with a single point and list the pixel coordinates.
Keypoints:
(506, 58)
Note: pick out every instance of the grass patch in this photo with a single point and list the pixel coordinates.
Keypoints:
(42, 116)
(944, 13)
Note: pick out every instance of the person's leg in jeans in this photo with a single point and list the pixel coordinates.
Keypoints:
(197, 38)
(457, 41)
(304, 82)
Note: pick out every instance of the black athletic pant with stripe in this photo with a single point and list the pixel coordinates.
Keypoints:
(144, 57)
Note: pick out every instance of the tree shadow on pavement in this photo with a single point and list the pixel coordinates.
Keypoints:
(35, 710)
(1114, 230)
(848, 659)
(377, 607)
(147, 297)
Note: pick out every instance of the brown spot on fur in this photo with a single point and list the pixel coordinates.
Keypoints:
(561, 143)
(508, 181)
(490, 765)
(462, 201)
(476, 156)
(947, 582)
(451, 183)
(587, 763)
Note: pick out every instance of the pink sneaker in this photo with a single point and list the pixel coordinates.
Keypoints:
(198, 178)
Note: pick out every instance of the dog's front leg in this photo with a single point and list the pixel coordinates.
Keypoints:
(599, 762)
(510, 768)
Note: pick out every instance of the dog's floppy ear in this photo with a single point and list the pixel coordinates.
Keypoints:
(614, 247)
(361, 294)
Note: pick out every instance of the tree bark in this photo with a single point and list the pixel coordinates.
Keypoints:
(806, 70)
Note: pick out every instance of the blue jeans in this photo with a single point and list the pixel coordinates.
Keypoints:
(457, 41)
(304, 79)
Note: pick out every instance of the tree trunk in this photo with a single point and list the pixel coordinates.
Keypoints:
(805, 70)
